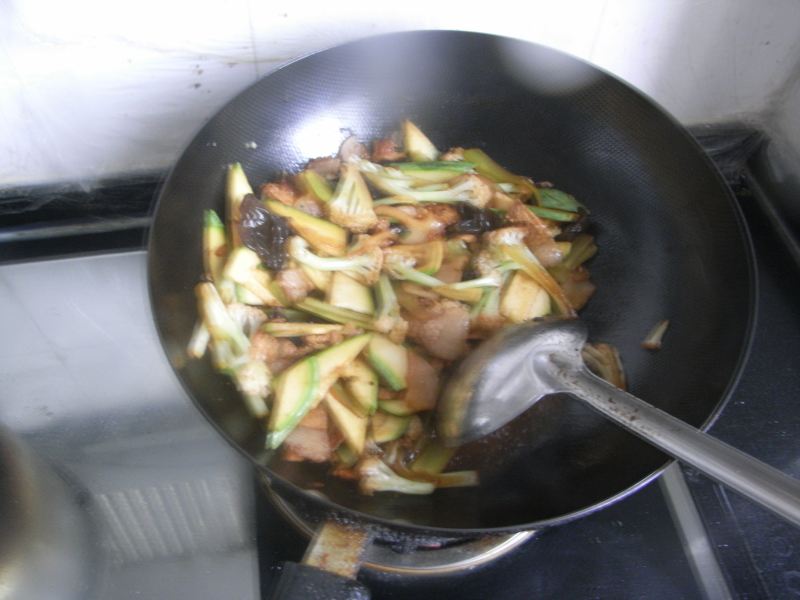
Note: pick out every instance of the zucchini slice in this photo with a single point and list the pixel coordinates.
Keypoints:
(321, 234)
(236, 188)
(417, 145)
(301, 387)
(295, 391)
(346, 292)
(398, 407)
(352, 426)
(386, 427)
(214, 246)
(390, 360)
(361, 382)
(523, 299)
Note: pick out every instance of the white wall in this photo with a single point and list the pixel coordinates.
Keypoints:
(92, 88)
(783, 127)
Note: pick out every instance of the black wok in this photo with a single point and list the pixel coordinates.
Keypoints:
(672, 245)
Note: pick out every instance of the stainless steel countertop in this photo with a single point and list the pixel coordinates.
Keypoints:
(84, 382)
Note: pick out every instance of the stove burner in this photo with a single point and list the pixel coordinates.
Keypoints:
(443, 558)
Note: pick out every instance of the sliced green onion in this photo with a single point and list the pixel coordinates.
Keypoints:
(433, 458)
(457, 479)
(480, 282)
(553, 198)
(469, 295)
(534, 269)
(400, 271)
(198, 343)
(315, 184)
(583, 248)
(458, 166)
(432, 187)
(326, 311)
(487, 167)
(280, 329)
(555, 214)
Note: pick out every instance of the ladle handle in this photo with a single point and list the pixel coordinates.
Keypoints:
(752, 478)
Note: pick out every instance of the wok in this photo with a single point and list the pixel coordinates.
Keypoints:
(672, 245)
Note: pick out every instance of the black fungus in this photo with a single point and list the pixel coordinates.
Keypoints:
(472, 219)
(264, 232)
(570, 230)
(469, 273)
(275, 314)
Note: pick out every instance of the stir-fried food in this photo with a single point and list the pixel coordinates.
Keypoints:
(337, 298)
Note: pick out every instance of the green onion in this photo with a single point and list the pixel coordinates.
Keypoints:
(457, 479)
(313, 183)
(199, 341)
(583, 248)
(486, 166)
(433, 458)
(328, 312)
(281, 329)
(459, 166)
(552, 198)
(397, 270)
(555, 214)
(534, 269)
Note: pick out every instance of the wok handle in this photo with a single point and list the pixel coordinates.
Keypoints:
(329, 567)
(752, 478)
(304, 582)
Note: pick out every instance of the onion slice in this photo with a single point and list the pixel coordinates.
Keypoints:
(653, 339)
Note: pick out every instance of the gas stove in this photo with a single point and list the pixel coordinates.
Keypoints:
(177, 513)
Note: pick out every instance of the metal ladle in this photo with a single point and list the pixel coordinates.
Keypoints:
(520, 365)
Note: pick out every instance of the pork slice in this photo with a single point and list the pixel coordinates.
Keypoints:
(294, 284)
(423, 383)
(282, 191)
(305, 443)
(441, 329)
